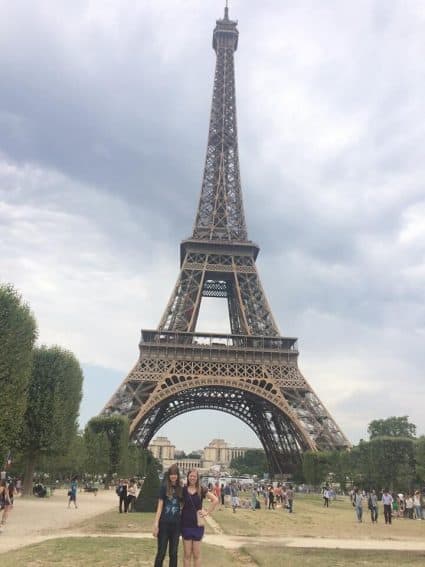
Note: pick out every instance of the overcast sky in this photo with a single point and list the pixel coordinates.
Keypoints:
(104, 111)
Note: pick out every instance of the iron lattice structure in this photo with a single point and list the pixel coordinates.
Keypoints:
(251, 373)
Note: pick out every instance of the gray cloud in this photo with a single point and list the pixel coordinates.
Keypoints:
(104, 113)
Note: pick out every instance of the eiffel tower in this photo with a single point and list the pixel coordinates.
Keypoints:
(251, 373)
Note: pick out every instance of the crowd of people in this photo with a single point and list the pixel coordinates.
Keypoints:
(250, 496)
(410, 505)
(127, 492)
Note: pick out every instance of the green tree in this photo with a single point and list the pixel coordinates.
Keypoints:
(420, 459)
(18, 331)
(194, 455)
(391, 427)
(116, 428)
(50, 420)
(148, 496)
(253, 462)
(71, 463)
(316, 467)
(384, 462)
(97, 452)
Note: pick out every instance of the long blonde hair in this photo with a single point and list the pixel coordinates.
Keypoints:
(198, 481)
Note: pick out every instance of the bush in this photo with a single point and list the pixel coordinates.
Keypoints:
(148, 496)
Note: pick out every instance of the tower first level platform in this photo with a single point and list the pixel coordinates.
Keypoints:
(254, 378)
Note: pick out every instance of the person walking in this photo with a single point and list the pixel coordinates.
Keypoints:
(373, 507)
(254, 498)
(271, 497)
(422, 500)
(387, 501)
(358, 505)
(72, 492)
(193, 515)
(5, 503)
(417, 505)
(234, 496)
(290, 497)
(166, 527)
(131, 495)
(326, 496)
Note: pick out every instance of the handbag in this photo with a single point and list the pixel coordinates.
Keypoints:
(200, 521)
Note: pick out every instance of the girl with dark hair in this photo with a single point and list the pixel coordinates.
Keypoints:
(192, 517)
(166, 526)
(6, 502)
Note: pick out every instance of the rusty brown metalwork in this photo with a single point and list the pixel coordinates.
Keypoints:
(251, 373)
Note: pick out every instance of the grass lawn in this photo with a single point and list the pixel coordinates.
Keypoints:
(107, 552)
(112, 522)
(293, 557)
(311, 519)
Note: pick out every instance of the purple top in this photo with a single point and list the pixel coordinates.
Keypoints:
(191, 503)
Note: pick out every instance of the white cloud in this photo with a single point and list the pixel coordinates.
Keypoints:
(103, 121)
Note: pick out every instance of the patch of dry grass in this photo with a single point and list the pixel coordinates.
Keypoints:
(311, 519)
(105, 552)
(294, 557)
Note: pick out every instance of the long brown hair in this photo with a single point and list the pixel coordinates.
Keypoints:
(177, 488)
(198, 481)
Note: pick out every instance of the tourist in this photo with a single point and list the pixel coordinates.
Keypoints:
(193, 516)
(423, 503)
(166, 527)
(5, 503)
(278, 494)
(222, 493)
(131, 495)
(326, 496)
(373, 507)
(254, 498)
(395, 508)
(284, 498)
(290, 498)
(72, 492)
(358, 504)
(417, 505)
(234, 496)
(387, 501)
(401, 505)
(271, 497)
(409, 507)
(217, 491)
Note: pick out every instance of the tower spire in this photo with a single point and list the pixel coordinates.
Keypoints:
(220, 214)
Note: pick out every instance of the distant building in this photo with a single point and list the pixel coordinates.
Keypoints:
(221, 453)
(217, 454)
(162, 450)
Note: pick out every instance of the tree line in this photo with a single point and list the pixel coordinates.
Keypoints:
(41, 391)
(393, 457)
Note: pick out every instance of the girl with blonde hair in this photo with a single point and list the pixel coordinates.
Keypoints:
(193, 516)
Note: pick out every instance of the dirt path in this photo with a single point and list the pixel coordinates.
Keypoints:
(34, 520)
